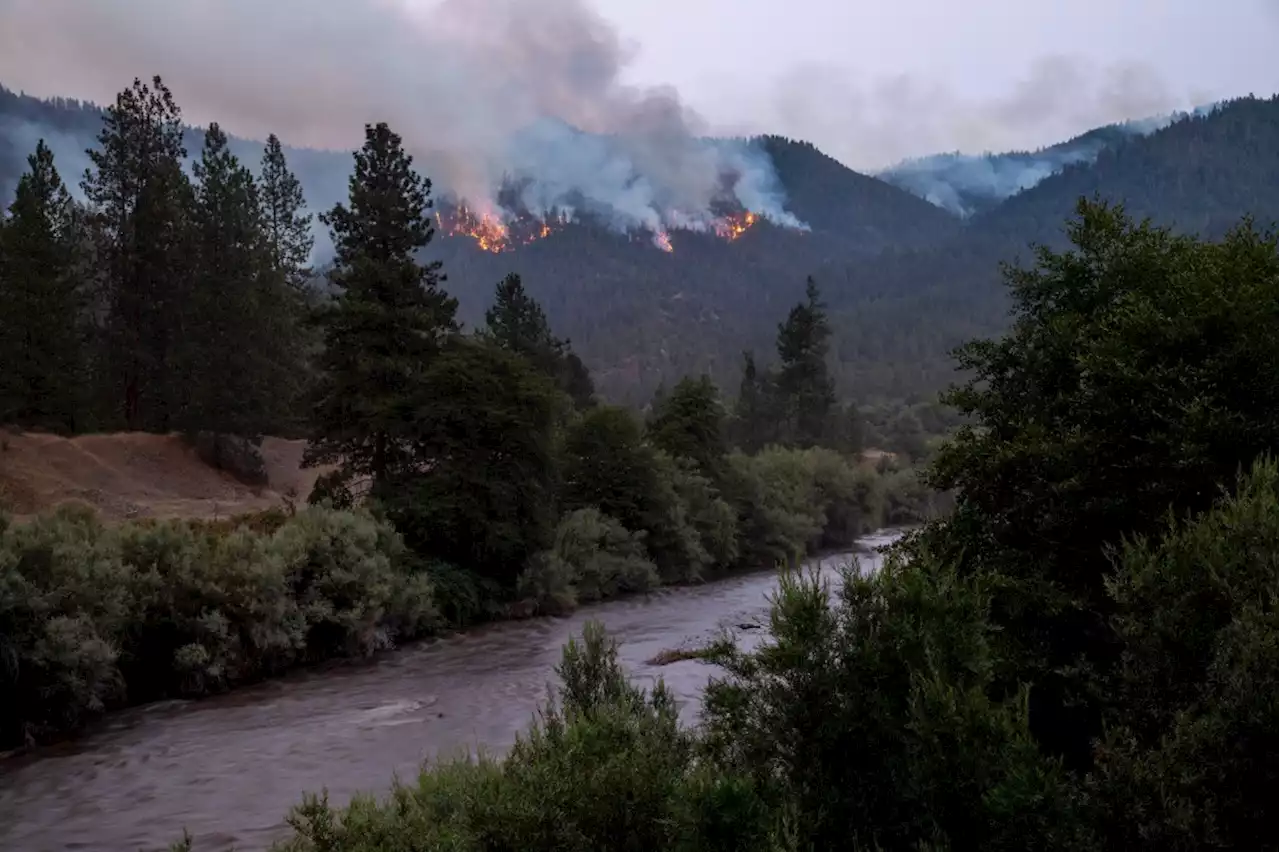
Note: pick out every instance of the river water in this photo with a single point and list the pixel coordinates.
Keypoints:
(229, 768)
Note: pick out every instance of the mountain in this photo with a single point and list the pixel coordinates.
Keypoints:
(905, 279)
(899, 315)
(966, 184)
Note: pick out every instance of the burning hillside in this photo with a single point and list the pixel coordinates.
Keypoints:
(497, 232)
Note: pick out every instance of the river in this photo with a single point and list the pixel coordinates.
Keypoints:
(229, 768)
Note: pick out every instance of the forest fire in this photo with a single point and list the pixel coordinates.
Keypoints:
(496, 234)
(732, 227)
(487, 230)
(490, 232)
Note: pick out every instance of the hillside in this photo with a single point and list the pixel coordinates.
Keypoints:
(898, 316)
(906, 280)
(136, 475)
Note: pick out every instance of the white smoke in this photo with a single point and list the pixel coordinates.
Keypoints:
(486, 93)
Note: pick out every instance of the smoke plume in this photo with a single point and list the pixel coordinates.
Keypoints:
(486, 93)
(965, 183)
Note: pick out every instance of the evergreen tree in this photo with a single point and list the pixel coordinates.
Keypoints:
(751, 414)
(388, 319)
(806, 391)
(228, 364)
(287, 225)
(139, 198)
(517, 323)
(689, 424)
(42, 306)
(484, 419)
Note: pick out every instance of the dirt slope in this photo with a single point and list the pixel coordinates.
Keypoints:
(133, 475)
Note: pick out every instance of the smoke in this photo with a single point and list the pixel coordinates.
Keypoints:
(965, 183)
(869, 124)
(486, 93)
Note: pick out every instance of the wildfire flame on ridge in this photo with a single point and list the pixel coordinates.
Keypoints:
(495, 235)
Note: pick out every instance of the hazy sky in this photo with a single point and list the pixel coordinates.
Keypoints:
(873, 81)
(868, 82)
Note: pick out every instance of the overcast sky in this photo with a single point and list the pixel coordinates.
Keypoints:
(868, 82)
(873, 81)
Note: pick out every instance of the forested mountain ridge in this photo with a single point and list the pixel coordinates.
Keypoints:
(897, 316)
(906, 280)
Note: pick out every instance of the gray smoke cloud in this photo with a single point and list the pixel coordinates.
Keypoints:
(870, 124)
(484, 92)
(962, 183)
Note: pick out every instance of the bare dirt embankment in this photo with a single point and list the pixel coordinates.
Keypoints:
(138, 475)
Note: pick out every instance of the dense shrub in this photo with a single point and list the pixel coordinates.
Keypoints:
(594, 557)
(1189, 760)
(94, 616)
(869, 719)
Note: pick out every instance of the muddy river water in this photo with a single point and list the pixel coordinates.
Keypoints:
(229, 768)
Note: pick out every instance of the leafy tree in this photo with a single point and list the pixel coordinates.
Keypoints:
(1189, 759)
(287, 225)
(42, 305)
(387, 321)
(140, 199)
(689, 423)
(1140, 374)
(806, 391)
(482, 491)
(233, 386)
(608, 465)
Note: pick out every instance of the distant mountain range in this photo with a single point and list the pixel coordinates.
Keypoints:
(907, 260)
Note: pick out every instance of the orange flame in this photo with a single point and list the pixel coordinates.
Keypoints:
(663, 241)
(489, 231)
(732, 227)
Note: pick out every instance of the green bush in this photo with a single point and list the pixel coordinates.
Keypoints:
(605, 767)
(1189, 760)
(870, 721)
(594, 558)
(94, 616)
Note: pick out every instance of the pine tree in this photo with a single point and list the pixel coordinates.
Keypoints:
(140, 199)
(231, 329)
(751, 425)
(517, 323)
(42, 304)
(388, 319)
(805, 389)
(287, 225)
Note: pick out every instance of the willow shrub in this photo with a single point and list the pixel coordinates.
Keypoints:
(606, 766)
(94, 616)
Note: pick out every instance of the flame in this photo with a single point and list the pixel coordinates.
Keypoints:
(491, 233)
(663, 241)
(732, 227)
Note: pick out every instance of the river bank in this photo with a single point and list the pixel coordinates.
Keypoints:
(228, 768)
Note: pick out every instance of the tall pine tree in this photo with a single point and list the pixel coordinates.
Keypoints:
(285, 220)
(388, 319)
(140, 200)
(42, 304)
(227, 349)
(517, 323)
(804, 387)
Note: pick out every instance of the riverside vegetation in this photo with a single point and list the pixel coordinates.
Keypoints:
(474, 475)
(1081, 655)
